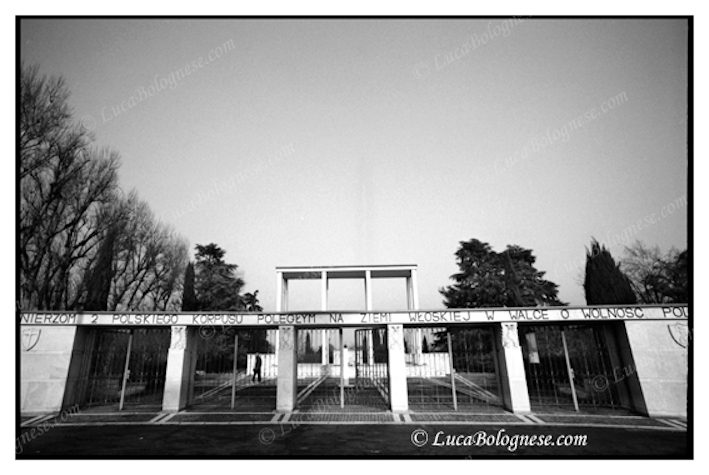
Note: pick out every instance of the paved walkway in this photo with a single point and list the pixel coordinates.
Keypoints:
(302, 440)
(196, 417)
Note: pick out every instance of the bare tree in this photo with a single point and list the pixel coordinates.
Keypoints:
(149, 259)
(65, 187)
(656, 278)
(84, 243)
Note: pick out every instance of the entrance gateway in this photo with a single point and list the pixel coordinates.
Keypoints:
(629, 358)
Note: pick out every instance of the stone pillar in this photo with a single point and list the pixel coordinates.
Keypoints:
(418, 346)
(279, 306)
(323, 291)
(370, 347)
(179, 373)
(409, 295)
(344, 362)
(287, 389)
(284, 299)
(279, 291)
(515, 395)
(398, 392)
(414, 289)
(325, 342)
(325, 353)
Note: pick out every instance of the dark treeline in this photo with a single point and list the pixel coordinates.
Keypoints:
(83, 242)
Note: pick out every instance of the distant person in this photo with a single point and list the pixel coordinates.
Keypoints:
(257, 369)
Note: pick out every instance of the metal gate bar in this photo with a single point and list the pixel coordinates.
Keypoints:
(126, 371)
(234, 371)
(570, 370)
(452, 370)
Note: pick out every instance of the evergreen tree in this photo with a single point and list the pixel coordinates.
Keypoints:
(491, 279)
(679, 277)
(189, 299)
(605, 283)
(251, 302)
(216, 285)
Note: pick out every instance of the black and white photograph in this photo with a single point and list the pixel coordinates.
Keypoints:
(381, 236)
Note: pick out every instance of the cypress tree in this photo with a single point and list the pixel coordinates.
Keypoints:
(605, 283)
(189, 299)
(100, 276)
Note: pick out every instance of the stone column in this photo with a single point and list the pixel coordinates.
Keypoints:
(323, 290)
(409, 304)
(370, 347)
(398, 392)
(279, 291)
(515, 395)
(179, 374)
(279, 306)
(325, 353)
(344, 361)
(414, 289)
(325, 342)
(287, 389)
(418, 346)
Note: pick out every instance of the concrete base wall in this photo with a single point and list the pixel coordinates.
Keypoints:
(651, 355)
(46, 354)
(658, 372)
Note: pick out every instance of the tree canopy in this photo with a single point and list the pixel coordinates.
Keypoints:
(217, 286)
(84, 243)
(654, 277)
(604, 282)
(491, 279)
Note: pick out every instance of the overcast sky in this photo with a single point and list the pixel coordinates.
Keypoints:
(335, 142)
